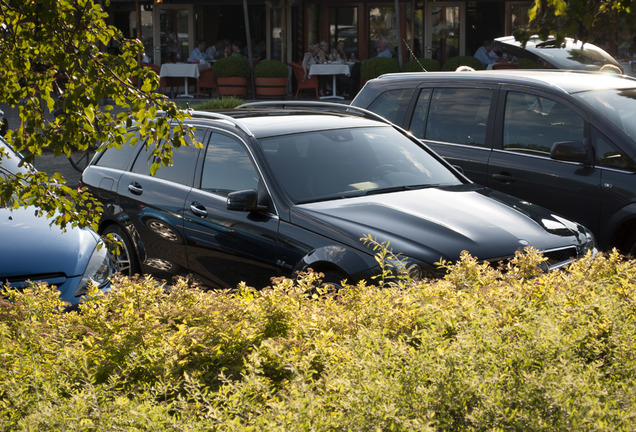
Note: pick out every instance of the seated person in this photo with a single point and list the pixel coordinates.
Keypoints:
(486, 53)
(198, 54)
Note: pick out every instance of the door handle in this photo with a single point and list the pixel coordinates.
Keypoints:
(135, 188)
(504, 178)
(198, 210)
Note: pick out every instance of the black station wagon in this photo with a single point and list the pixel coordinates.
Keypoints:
(564, 140)
(274, 191)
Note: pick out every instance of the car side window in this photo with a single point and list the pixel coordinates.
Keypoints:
(458, 115)
(227, 166)
(392, 104)
(608, 155)
(533, 123)
(119, 158)
(184, 161)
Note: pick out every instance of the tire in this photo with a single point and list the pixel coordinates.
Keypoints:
(125, 261)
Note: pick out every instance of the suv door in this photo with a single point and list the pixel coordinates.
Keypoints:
(224, 246)
(454, 121)
(153, 206)
(520, 164)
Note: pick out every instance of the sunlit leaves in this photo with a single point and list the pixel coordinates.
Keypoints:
(61, 63)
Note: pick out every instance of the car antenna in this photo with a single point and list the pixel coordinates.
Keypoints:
(413, 54)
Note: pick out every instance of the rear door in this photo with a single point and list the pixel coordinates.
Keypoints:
(520, 165)
(454, 120)
(153, 206)
(224, 246)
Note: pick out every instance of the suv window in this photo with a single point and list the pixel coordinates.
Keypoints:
(227, 167)
(184, 160)
(608, 155)
(119, 158)
(533, 123)
(455, 115)
(392, 104)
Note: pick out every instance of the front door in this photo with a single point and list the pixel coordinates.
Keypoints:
(174, 32)
(445, 34)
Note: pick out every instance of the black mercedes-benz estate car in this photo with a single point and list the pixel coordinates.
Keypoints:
(564, 140)
(273, 191)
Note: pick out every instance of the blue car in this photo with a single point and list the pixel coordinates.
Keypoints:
(31, 249)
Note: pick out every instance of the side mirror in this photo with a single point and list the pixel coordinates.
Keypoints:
(243, 200)
(572, 151)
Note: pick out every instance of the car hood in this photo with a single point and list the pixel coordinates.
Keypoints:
(31, 247)
(435, 223)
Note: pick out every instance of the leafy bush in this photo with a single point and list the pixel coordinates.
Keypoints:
(376, 66)
(232, 66)
(218, 104)
(454, 62)
(416, 65)
(481, 349)
(271, 69)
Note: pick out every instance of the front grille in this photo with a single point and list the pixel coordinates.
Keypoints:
(24, 281)
(559, 257)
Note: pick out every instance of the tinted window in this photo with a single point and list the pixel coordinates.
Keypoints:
(227, 166)
(618, 106)
(392, 104)
(120, 158)
(184, 160)
(420, 111)
(458, 115)
(608, 155)
(533, 123)
(10, 160)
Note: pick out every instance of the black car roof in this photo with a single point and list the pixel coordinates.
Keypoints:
(568, 81)
(281, 118)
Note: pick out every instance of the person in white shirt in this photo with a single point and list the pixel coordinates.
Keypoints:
(486, 54)
(198, 54)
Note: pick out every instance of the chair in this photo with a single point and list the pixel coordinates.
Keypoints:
(163, 82)
(206, 80)
(301, 82)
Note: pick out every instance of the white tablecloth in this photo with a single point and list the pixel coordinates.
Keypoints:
(329, 69)
(186, 70)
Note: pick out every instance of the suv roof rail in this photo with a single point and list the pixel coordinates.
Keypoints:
(219, 116)
(330, 106)
(215, 116)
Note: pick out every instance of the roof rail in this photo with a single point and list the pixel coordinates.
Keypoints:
(219, 116)
(330, 106)
(215, 116)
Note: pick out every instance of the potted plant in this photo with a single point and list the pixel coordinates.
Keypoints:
(232, 74)
(270, 78)
(454, 62)
(422, 65)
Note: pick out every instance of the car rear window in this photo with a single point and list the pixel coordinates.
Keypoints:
(113, 157)
(453, 115)
(392, 104)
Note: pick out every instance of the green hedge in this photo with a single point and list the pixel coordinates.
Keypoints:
(376, 66)
(416, 65)
(481, 350)
(454, 62)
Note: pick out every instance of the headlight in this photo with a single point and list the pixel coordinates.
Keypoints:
(97, 271)
(589, 243)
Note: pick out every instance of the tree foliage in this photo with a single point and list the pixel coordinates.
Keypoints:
(583, 20)
(56, 67)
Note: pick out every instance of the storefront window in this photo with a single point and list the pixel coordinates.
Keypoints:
(382, 23)
(343, 26)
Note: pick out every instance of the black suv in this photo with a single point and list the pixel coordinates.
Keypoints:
(273, 191)
(562, 139)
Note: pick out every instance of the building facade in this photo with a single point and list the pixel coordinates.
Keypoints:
(282, 29)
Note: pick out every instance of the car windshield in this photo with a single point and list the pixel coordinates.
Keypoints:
(342, 163)
(617, 105)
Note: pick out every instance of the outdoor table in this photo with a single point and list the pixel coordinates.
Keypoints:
(180, 70)
(330, 69)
